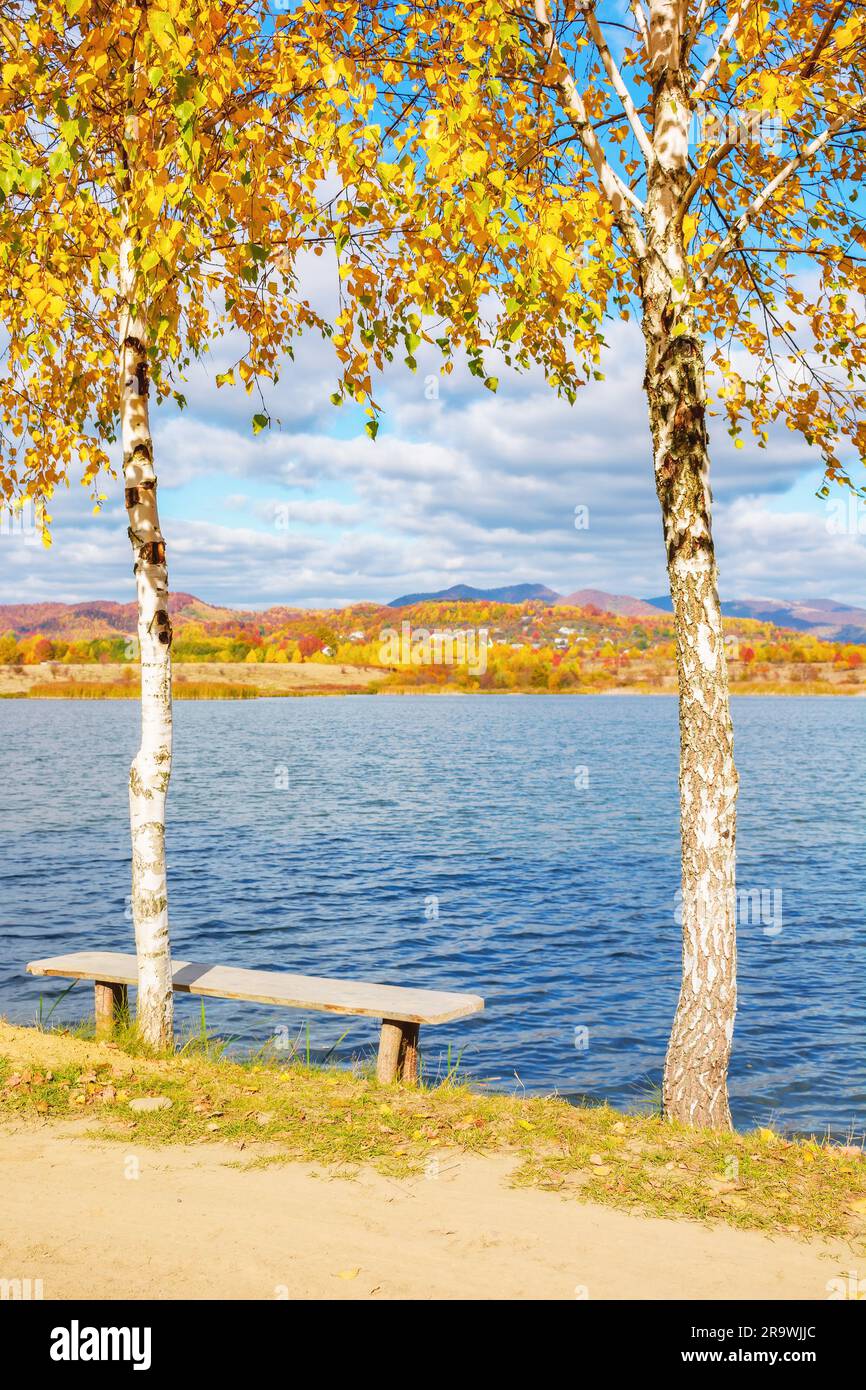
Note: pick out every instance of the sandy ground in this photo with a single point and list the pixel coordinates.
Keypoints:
(194, 1223)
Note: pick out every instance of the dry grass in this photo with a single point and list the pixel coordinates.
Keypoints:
(277, 1112)
(130, 690)
(223, 690)
(795, 687)
(120, 680)
(223, 680)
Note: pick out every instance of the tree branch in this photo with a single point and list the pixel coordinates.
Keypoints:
(823, 37)
(641, 22)
(697, 182)
(691, 37)
(757, 204)
(622, 199)
(712, 67)
(619, 86)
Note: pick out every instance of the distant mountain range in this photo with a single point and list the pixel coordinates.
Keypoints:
(611, 603)
(524, 593)
(824, 617)
(95, 618)
(98, 617)
(510, 593)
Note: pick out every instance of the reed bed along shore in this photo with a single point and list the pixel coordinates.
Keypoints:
(130, 690)
(228, 690)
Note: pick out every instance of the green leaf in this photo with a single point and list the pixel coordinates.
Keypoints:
(260, 422)
(372, 428)
(30, 180)
(59, 161)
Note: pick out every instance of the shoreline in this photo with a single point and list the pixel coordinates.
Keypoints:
(224, 680)
(218, 693)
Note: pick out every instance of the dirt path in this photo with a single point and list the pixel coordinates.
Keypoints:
(73, 1214)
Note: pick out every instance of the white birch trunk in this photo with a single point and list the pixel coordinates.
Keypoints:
(696, 1067)
(151, 767)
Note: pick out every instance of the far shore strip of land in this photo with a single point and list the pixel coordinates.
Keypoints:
(243, 680)
(292, 1181)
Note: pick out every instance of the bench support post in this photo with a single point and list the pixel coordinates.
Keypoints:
(110, 1000)
(398, 1052)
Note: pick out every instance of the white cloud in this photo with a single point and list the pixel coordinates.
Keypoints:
(472, 486)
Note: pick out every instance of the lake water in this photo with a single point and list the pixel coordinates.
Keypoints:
(449, 842)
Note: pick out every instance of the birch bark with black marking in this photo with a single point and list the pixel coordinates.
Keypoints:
(696, 1066)
(151, 767)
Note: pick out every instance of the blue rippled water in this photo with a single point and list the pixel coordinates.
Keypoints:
(443, 842)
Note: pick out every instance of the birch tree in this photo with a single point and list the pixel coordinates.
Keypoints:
(162, 168)
(694, 165)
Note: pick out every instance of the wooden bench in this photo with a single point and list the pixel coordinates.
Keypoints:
(402, 1011)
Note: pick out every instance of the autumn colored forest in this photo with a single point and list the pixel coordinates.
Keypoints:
(531, 646)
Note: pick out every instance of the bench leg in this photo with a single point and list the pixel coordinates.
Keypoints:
(398, 1052)
(409, 1053)
(109, 1001)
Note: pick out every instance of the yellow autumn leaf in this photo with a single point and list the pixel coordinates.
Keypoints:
(160, 25)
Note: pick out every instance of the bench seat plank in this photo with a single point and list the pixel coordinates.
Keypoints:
(273, 987)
